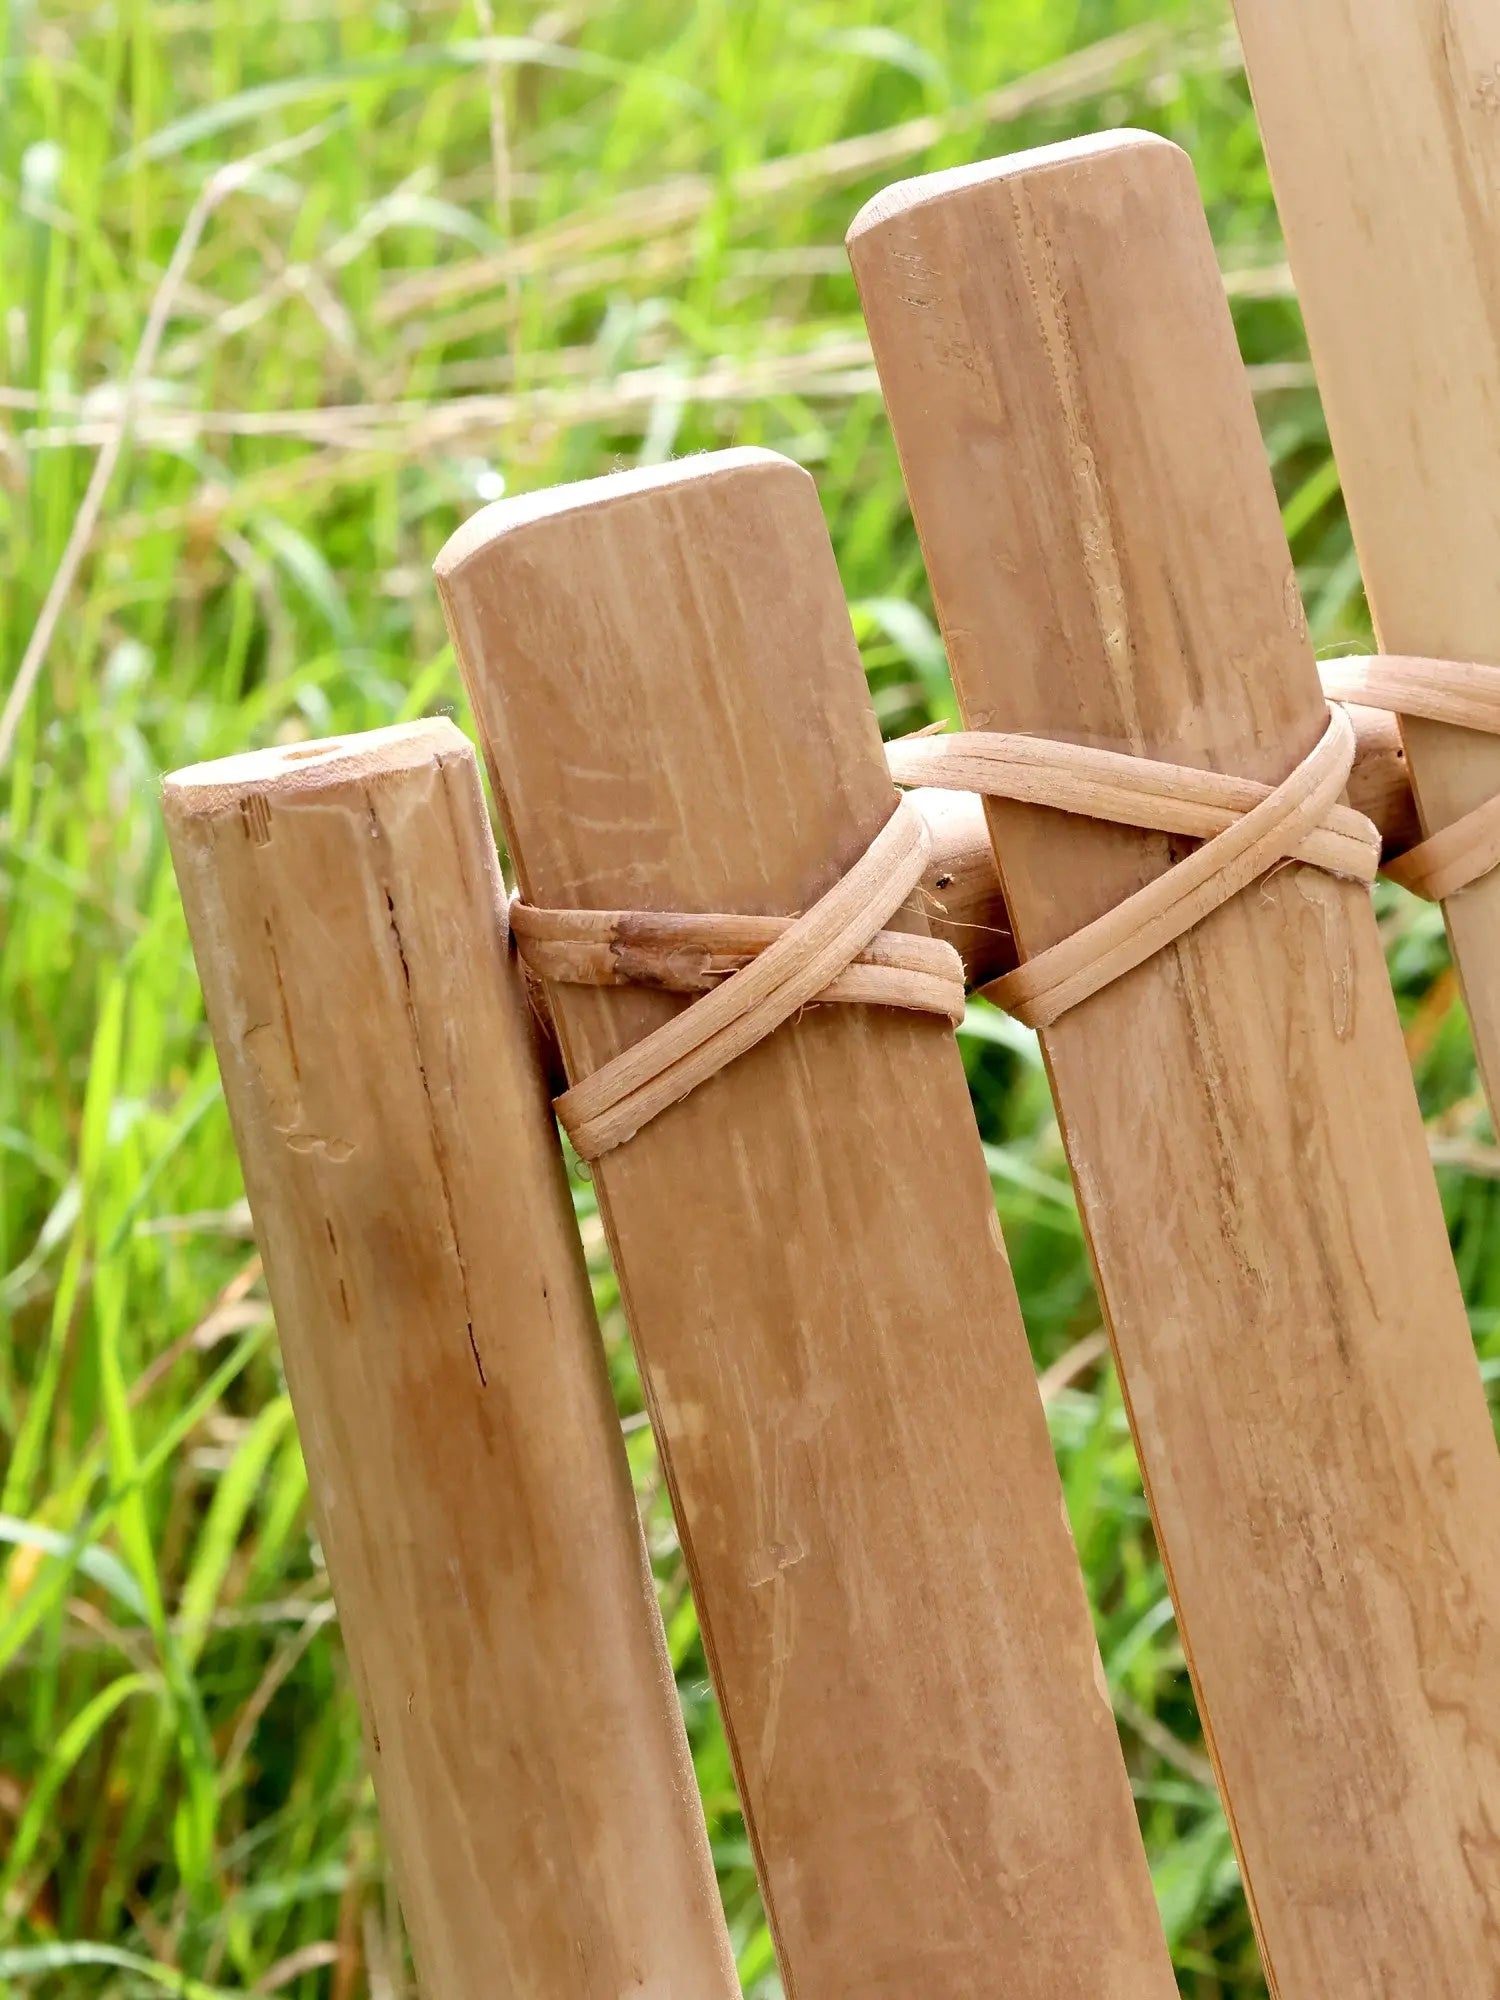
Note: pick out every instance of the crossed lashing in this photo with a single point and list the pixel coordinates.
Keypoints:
(754, 973)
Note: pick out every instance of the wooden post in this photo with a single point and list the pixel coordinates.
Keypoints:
(1107, 559)
(1382, 127)
(467, 1471)
(675, 717)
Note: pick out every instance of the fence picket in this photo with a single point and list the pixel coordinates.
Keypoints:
(1107, 560)
(1382, 127)
(675, 716)
(464, 1457)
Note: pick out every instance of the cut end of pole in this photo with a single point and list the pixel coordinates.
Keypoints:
(925, 189)
(201, 791)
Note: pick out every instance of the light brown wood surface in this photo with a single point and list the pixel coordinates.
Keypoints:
(1107, 559)
(676, 719)
(1381, 121)
(466, 1466)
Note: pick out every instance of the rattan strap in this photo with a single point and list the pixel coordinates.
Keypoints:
(1463, 694)
(754, 973)
(1251, 828)
(837, 950)
(678, 953)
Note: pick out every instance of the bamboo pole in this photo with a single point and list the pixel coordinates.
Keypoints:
(675, 717)
(1107, 560)
(1382, 128)
(466, 1467)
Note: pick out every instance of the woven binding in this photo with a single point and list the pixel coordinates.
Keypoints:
(806, 957)
(1251, 828)
(1462, 694)
(754, 973)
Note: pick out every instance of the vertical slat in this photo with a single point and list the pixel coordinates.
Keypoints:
(467, 1472)
(1107, 559)
(1381, 121)
(675, 716)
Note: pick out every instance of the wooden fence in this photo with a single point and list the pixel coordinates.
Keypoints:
(685, 757)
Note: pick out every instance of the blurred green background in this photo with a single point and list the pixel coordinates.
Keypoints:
(466, 249)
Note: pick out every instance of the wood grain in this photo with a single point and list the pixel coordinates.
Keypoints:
(1107, 560)
(466, 1466)
(675, 717)
(1381, 121)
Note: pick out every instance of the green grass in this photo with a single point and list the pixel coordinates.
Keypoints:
(509, 251)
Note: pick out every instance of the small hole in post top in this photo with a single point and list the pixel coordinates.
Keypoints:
(300, 752)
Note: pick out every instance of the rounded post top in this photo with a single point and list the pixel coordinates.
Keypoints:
(524, 510)
(923, 190)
